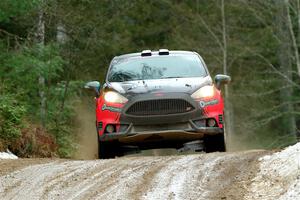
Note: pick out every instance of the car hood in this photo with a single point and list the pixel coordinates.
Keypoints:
(186, 85)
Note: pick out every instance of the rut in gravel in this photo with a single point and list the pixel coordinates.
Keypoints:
(198, 176)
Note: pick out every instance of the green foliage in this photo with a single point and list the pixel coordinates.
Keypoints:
(13, 8)
(61, 100)
(20, 71)
(11, 118)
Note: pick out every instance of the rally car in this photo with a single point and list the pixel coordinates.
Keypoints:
(158, 99)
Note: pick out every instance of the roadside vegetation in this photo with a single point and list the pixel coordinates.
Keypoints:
(49, 48)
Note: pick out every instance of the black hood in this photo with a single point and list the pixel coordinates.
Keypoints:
(185, 85)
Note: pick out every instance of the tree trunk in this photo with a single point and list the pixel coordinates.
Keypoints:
(285, 66)
(40, 38)
(228, 106)
(292, 35)
(298, 17)
(61, 36)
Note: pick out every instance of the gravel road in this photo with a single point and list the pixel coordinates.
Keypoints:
(196, 176)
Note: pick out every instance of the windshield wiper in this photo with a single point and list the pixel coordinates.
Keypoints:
(172, 77)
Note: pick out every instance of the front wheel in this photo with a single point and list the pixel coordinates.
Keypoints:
(214, 143)
(107, 150)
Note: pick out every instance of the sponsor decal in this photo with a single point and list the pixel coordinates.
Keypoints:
(110, 108)
(208, 103)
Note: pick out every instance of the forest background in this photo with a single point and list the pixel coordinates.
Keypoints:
(50, 48)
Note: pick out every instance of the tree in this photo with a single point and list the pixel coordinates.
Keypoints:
(285, 65)
(40, 39)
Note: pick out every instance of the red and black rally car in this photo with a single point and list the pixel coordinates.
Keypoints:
(158, 99)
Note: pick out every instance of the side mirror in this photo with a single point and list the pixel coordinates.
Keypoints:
(93, 85)
(221, 79)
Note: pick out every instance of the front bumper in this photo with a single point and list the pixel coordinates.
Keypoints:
(184, 126)
(133, 135)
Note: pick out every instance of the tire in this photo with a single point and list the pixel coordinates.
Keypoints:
(213, 143)
(109, 150)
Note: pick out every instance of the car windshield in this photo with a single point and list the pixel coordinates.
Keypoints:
(155, 67)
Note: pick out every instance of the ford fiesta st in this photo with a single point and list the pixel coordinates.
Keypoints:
(158, 99)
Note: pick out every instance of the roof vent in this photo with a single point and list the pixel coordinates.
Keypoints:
(146, 53)
(163, 52)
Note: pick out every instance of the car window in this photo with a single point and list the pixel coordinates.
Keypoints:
(156, 67)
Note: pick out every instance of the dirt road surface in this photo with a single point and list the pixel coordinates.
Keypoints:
(196, 176)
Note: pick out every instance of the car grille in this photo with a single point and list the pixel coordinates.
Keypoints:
(159, 107)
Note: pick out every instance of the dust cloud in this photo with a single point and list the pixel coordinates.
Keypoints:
(86, 131)
(236, 142)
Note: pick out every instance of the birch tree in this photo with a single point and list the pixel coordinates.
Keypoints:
(40, 39)
(222, 43)
(285, 64)
(228, 107)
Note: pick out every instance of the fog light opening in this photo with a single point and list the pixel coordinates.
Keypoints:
(211, 123)
(110, 128)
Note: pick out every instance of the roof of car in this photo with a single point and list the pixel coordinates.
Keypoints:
(156, 53)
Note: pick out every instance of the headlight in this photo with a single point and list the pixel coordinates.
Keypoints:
(114, 97)
(205, 91)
